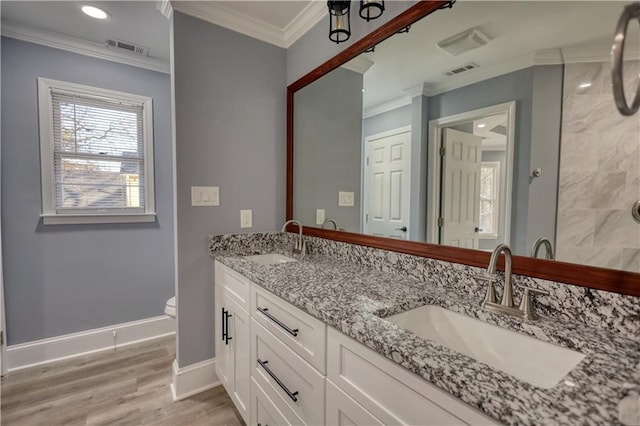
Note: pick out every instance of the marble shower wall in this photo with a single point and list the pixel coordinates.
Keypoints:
(599, 171)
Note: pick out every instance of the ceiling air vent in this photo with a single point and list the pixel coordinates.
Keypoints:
(128, 47)
(459, 70)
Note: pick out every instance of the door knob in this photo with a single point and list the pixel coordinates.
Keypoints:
(477, 229)
(403, 229)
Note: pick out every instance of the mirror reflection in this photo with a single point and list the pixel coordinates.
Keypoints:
(490, 123)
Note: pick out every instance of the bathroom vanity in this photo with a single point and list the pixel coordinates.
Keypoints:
(318, 340)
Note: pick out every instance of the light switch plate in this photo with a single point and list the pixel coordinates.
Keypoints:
(319, 216)
(246, 219)
(346, 199)
(206, 196)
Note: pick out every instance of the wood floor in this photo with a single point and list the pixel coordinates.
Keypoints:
(127, 387)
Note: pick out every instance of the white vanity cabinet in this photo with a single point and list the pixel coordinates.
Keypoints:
(232, 338)
(283, 366)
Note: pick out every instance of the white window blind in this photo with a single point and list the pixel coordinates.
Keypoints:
(489, 197)
(98, 153)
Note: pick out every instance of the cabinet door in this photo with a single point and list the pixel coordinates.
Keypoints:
(343, 410)
(240, 339)
(224, 347)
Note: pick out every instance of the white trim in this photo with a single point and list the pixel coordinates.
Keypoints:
(421, 89)
(58, 348)
(75, 219)
(82, 47)
(53, 216)
(193, 379)
(386, 106)
(236, 21)
(304, 21)
(434, 166)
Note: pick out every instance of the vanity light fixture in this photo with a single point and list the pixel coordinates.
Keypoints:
(94, 12)
(371, 9)
(339, 21)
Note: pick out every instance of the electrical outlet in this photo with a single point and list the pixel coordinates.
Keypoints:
(205, 196)
(346, 199)
(319, 216)
(245, 219)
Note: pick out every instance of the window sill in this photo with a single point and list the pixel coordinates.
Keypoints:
(80, 219)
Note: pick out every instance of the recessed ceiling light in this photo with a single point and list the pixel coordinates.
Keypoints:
(584, 85)
(481, 126)
(95, 12)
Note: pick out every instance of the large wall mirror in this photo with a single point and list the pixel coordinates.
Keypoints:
(487, 123)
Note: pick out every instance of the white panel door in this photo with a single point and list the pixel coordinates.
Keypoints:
(387, 185)
(461, 189)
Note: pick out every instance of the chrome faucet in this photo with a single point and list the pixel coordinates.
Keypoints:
(547, 246)
(526, 308)
(300, 246)
(492, 269)
(332, 221)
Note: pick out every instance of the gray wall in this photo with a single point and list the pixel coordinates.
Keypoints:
(230, 132)
(64, 279)
(386, 121)
(314, 47)
(518, 86)
(327, 154)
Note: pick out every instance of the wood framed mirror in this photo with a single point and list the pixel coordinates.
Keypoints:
(620, 281)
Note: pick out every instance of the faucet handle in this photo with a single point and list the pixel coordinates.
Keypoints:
(526, 304)
(490, 296)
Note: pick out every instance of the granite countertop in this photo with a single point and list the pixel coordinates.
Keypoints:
(354, 299)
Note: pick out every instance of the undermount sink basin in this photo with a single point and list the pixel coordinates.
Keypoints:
(536, 362)
(270, 259)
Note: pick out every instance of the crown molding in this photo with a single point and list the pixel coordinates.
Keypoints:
(82, 47)
(233, 20)
(421, 89)
(304, 21)
(387, 106)
(358, 64)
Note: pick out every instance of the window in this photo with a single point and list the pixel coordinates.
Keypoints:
(96, 155)
(489, 198)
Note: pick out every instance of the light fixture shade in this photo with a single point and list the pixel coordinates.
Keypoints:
(339, 21)
(371, 9)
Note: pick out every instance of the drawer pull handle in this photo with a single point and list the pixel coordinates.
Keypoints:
(265, 312)
(223, 323)
(292, 395)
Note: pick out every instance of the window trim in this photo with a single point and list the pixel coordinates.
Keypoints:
(50, 216)
(495, 165)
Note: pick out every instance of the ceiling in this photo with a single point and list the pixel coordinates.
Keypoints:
(522, 33)
(137, 22)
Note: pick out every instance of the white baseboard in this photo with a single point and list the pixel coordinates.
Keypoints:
(193, 379)
(58, 348)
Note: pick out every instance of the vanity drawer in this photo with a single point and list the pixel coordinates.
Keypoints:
(389, 392)
(301, 332)
(237, 286)
(264, 412)
(294, 386)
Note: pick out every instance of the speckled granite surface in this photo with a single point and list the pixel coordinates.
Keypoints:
(351, 287)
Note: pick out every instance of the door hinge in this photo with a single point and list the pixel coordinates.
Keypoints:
(443, 151)
(441, 221)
